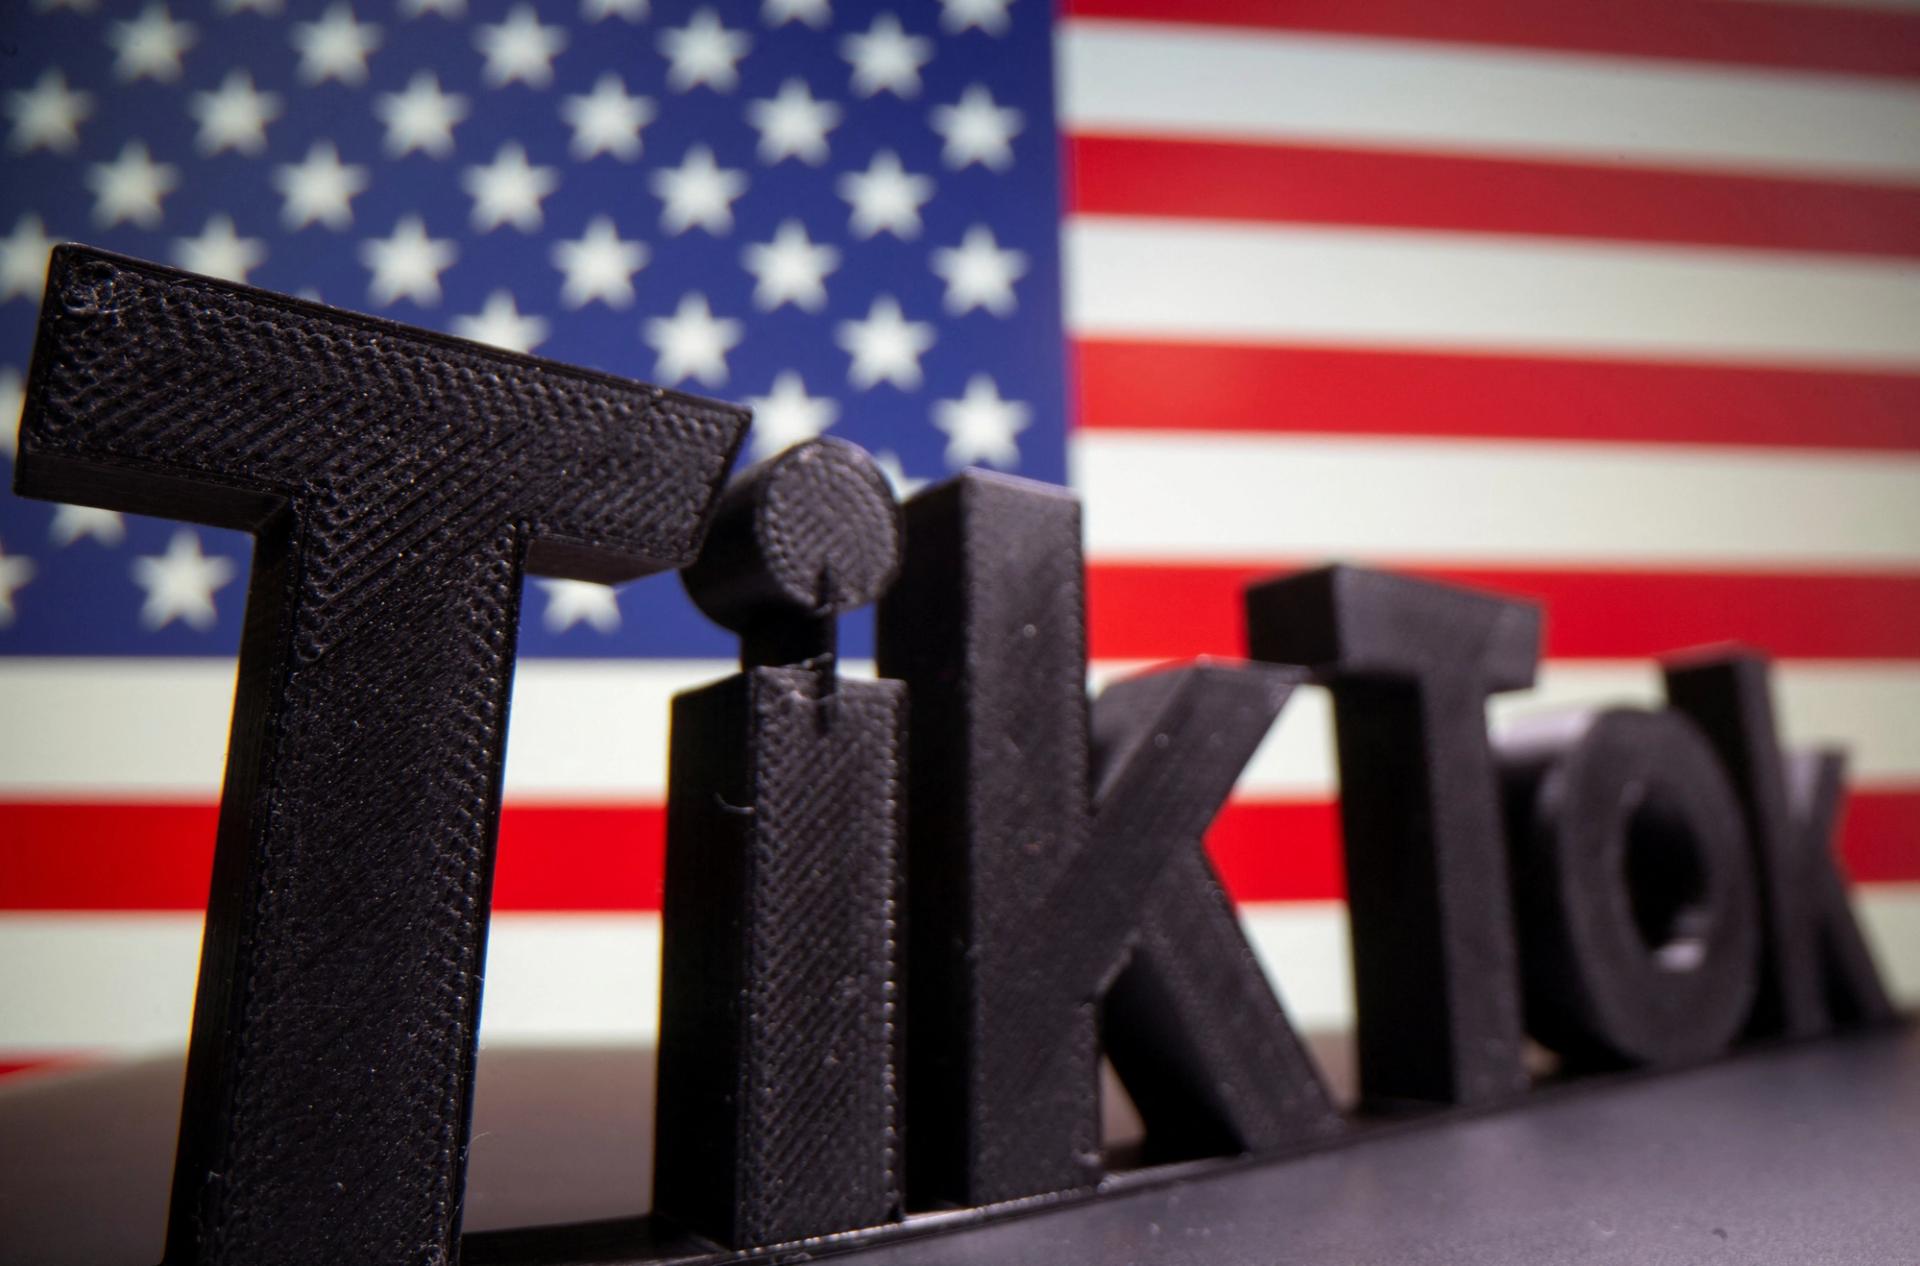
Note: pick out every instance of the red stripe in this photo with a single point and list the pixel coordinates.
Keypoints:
(1195, 179)
(125, 856)
(1796, 37)
(607, 858)
(40, 1063)
(1129, 385)
(1290, 850)
(1159, 611)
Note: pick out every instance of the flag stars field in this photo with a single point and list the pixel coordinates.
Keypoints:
(979, 273)
(131, 187)
(693, 342)
(420, 117)
(234, 116)
(885, 58)
(509, 190)
(792, 268)
(150, 46)
(980, 426)
(407, 264)
(704, 53)
(47, 115)
(180, 583)
(335, 47)
(574, 602)
(787, 415)
(793, 124)
(607, 120)
(599, 265)
(520, 49)
(885, 346)
(23, 259)
(699, 193)
(319, 189)
(15, 571)
(885, 198)
(814, 13)
(976, 130)
(218, 250)
(72, 524)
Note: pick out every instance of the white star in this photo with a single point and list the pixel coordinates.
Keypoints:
(149, 46)
(47, 115)
(130, 187)
(704, 52)
(885, 58)
(13, 401)
(692, 343)
(267, 8)
(976, 130)
(14, 572)
(219, 251)
(978, 273)
(335, 47)
(445, 8)
(815, 13)
(420, 118)
(790, 269)
(886, 347)
(508, 190)
(793, 124)
(571, 602)
(23, 259)
(319, 187)
(180, 583)
(607, 120)
(597, 10)
(980, 426)
(989, 15)
(502, 324)
(788, 415)
(408, 263)
(520, 48)
(904, 485)
(598, 265)
(70, 523)
(698, 191)
(885, 196)
(233, 116)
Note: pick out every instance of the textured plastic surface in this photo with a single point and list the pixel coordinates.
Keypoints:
(779, 1113)
(1813, 962)
(1027, 894)
(1410, 664)
(398, 484)
(1639, 925)
(1191, 1023)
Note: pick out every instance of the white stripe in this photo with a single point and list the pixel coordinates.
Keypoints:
(1178, 279)
(123, 984)
(1226, 498)
(1163, 79)
(579, 730)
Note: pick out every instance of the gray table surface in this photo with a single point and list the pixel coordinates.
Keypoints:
(1798, 1155)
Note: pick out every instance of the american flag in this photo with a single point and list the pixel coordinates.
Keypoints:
(1617, 307)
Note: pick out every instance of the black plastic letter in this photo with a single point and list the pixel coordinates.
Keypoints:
(1411, 664)
(398, 484)
(1802, 900)
(1639, 926)
(1025, 896)
(778, 1112)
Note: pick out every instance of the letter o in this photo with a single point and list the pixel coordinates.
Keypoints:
(1634, 895)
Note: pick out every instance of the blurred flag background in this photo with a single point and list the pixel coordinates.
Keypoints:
(1617, 307)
